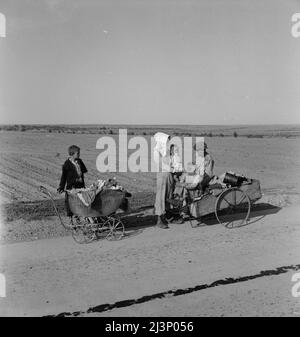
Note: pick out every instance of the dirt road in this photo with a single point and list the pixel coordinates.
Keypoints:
(54, 276)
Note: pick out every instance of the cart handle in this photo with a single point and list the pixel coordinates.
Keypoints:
(44, 190)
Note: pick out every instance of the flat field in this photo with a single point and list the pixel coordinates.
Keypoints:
(30, 159)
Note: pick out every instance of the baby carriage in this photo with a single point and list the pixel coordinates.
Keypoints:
(99, 219)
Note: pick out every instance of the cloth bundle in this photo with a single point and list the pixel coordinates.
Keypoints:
(87, 195)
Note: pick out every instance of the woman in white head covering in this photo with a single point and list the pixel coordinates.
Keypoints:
(161, 143)
(164, 178)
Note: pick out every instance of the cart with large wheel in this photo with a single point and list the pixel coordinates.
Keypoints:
(99, 220)
(230, 203)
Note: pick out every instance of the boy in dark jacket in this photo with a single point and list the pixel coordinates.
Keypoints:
(73, 171)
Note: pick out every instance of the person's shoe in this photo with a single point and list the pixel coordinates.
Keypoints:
(169, 217)
(160, 223)
(163, 226)
(178, 221)
(185, 216)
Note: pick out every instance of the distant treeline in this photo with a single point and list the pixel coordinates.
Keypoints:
(144, 131)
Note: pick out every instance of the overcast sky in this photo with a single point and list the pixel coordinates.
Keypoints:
(149, 62)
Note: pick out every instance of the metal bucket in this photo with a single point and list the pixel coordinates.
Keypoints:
(231, 179)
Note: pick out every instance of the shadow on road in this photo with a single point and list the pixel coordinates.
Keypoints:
(258, 212)
(261, 210)
(138, 221)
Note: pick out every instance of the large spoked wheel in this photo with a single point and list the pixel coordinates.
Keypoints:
(233, 208)
(103, 228)
(116, 229)
(82, 230)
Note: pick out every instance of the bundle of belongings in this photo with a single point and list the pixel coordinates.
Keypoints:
(195, 188)
(218, 183)
(231, 179)
(87, 195)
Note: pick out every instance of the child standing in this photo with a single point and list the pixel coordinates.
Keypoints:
(175, 160)
(73, 171)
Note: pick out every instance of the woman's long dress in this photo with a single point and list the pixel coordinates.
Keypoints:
(164, 190)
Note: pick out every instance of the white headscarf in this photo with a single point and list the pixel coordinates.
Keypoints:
(161, 140)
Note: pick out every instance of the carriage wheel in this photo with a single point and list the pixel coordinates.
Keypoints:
(233, 208)
(103, 227)
(82, 230)
(116, 229)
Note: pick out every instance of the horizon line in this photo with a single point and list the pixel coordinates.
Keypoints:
(147, 124)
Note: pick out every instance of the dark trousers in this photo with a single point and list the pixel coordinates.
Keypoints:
(68, 211)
